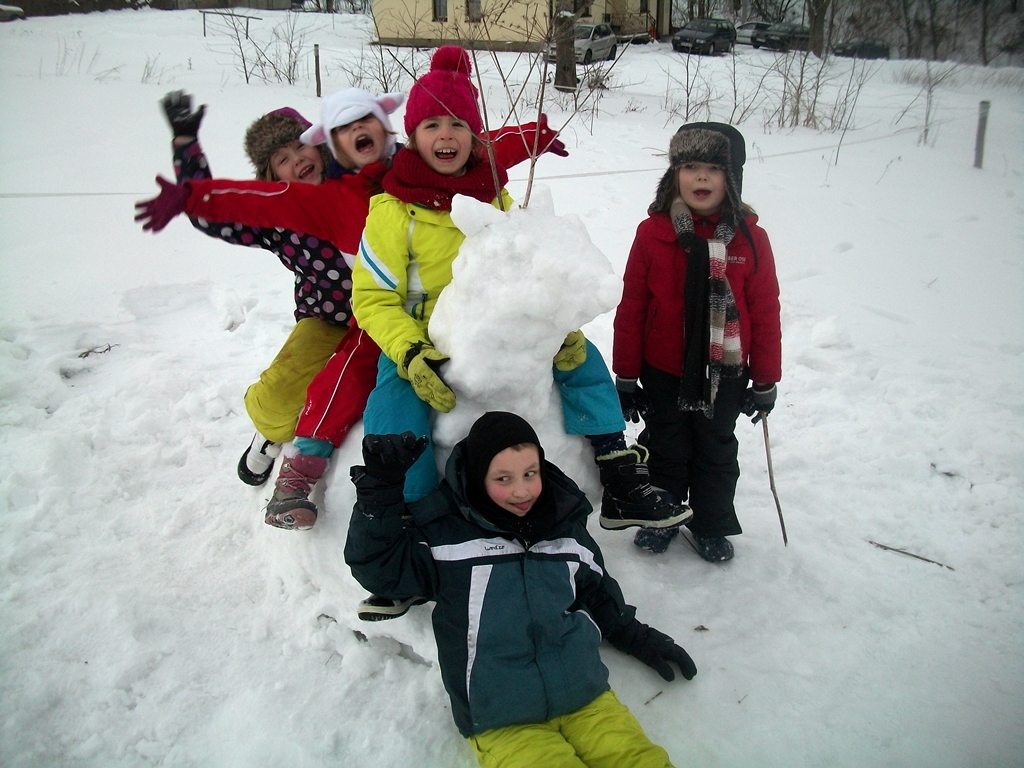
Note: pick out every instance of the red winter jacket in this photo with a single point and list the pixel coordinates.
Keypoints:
(335, 210)
(649, 319)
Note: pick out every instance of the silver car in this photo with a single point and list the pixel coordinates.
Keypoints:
(593, 42)
(11, 12)
(745, 31)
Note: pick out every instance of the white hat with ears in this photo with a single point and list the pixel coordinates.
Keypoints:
(346, 107)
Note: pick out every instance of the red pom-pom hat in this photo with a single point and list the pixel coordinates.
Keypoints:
(445, 90)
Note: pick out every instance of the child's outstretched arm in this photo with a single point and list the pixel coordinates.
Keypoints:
(515, 144)
(333, 211)
(387, 556)
(190, 164)
(619, 625)
(655, 649)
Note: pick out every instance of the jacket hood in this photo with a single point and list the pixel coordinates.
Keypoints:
(571, 504)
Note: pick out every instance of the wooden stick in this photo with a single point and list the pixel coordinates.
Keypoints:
(909, 554)
(771, 476)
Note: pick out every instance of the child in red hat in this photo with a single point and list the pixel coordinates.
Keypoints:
(405, 262)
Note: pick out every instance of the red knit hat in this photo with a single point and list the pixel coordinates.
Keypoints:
(445, 90)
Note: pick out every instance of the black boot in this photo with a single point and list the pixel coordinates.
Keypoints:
(377, 608)
(257, 462)
(629, 499)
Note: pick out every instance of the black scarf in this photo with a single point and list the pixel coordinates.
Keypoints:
(712, 347)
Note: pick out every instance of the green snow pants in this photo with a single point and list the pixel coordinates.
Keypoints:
(603, 734)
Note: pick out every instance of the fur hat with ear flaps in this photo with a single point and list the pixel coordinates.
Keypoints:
(715, 143)
(270, 133)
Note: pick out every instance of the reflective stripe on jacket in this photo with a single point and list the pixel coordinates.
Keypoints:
(517, 624)
(404, 262)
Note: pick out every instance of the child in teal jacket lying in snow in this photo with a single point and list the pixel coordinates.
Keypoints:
(523, 597)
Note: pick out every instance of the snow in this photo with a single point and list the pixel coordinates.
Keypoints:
(505, 315)
(149, 617)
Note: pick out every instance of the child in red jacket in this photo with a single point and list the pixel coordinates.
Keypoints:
(699, 320)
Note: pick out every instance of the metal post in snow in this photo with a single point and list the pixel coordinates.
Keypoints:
(979, 141)
(316, 62)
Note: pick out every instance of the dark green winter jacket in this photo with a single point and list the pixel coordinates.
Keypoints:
(517, 624)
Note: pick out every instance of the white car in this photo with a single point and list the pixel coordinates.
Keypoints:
(11, 12)
(594, 42)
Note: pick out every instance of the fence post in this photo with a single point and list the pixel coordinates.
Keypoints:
(316, 62)
(979, 141)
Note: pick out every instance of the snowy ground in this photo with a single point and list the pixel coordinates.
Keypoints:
(149, 617)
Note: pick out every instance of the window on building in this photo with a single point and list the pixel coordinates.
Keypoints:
(440, 10)
(581, 7)
(644, 8)
(474, 10)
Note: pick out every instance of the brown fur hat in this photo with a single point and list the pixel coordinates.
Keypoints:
(716, 143)
(271, 132)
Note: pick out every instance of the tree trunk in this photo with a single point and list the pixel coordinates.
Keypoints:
(817, 12)
(565, 52)
(983, 36)
(908, 29)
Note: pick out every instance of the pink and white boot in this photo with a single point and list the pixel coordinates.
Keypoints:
(290, 507)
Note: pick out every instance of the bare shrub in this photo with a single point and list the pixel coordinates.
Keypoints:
(688, 91)
(277, 59)
(382, 69)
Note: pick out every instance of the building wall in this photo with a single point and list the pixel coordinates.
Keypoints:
(633, 17)
(516, 25)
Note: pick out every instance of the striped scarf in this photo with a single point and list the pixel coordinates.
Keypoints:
(712, 347)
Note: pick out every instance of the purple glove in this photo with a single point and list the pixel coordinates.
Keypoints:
(549, 141)
(156, 213)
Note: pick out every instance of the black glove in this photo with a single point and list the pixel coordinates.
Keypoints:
(388, 457)
(634, 401)
(178, 108)
(759, 400)
(654, 649)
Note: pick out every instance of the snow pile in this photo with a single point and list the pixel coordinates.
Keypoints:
(523, 279)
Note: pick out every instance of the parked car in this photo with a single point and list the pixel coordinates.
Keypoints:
(745, 30)
(11, 12)
(705, 36)
(782, 37)
(863, 48)
(593, 42)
